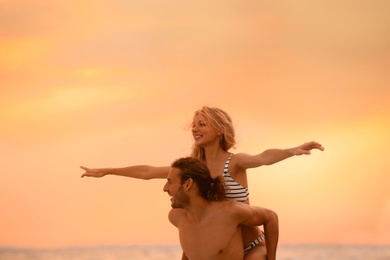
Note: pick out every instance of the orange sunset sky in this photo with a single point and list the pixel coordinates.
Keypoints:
(114, 83)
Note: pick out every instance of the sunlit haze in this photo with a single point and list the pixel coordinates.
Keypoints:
(116, 83)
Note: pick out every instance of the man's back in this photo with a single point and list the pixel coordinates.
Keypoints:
(215, 234)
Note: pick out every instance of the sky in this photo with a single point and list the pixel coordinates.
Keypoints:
(116, 83)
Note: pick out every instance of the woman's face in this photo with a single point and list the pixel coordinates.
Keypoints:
(204, 134)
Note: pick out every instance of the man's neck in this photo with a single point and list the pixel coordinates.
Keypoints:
(198, 208)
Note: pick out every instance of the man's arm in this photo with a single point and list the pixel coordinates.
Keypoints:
(144, 172)
(184, 257)
(174, 217)
(257, 216)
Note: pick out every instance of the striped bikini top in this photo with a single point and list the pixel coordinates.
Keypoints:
(234, 190)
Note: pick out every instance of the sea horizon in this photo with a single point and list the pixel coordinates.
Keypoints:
(172, 252)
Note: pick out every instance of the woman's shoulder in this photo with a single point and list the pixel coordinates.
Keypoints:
(240, 155)
(237, 158)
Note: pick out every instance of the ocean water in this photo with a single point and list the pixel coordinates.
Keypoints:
(158, 252)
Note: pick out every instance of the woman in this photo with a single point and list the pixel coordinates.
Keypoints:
(214, 136)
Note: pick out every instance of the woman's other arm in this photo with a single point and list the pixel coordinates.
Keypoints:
(271, 156)
(144, 172)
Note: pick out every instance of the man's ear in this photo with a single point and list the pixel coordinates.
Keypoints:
(188, 184)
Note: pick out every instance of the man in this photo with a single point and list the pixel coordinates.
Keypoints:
(209, 226)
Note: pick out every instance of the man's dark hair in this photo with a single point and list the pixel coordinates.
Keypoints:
(192, 168)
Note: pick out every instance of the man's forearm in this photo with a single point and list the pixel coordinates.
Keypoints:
(271, 230)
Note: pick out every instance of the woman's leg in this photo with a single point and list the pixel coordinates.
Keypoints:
(259, 252)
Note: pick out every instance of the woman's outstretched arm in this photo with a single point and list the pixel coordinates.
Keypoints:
(144, 172)
(271, 156)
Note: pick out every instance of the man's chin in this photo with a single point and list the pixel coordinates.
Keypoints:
(175, 206)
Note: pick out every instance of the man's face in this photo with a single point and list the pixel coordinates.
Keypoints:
(179, 198)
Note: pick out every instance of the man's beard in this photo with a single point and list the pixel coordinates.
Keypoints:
(181, 199)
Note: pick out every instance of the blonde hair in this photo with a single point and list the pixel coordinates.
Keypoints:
(221, 121)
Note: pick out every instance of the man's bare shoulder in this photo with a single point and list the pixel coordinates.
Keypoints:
(230, 206)
(234, 208)
(175, 216)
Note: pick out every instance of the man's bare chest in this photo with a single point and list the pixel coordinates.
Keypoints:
(210, 238)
